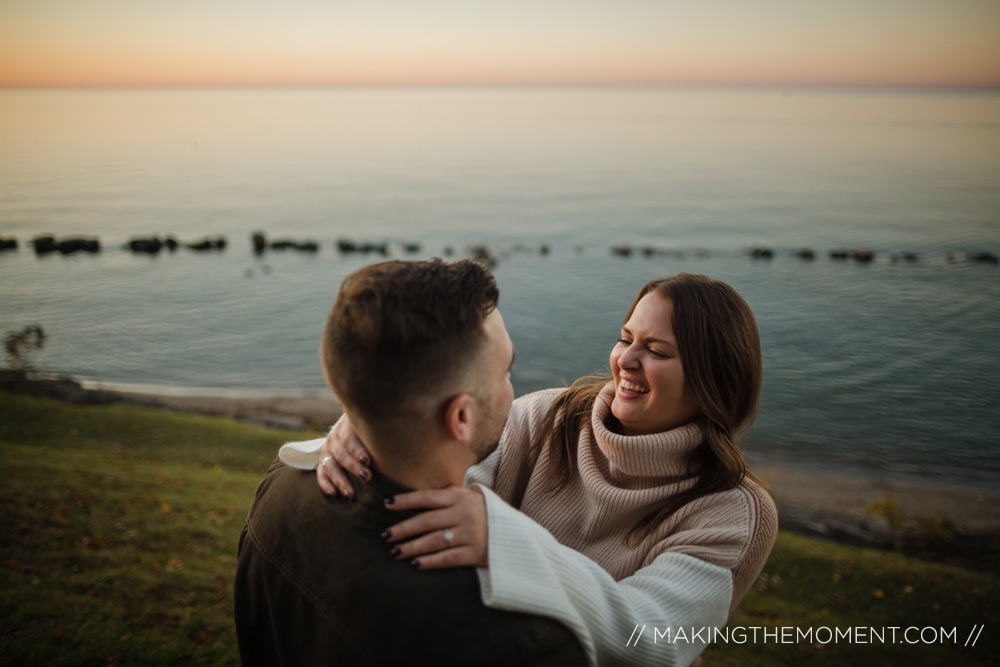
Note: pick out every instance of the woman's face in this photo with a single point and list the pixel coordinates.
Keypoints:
(651, 394)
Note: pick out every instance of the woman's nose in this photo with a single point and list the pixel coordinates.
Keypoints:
(629, 358)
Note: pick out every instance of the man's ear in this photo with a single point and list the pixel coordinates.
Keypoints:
(459, 417)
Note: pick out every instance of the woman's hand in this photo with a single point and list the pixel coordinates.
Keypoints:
(343, 450)
(450, 533)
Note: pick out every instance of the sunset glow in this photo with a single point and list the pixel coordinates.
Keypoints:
(306, 42)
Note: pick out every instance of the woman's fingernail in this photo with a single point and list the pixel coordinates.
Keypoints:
(364, 475)
(395, 551)
(386, 534)
(415, 563)
(390, 500)
(364, 460)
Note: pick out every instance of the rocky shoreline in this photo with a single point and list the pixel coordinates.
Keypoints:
(938, 521)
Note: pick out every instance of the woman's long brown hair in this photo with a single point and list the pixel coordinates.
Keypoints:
(719, 348)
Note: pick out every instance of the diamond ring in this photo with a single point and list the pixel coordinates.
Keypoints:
(449, 537)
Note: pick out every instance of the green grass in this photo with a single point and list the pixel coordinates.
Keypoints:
(120, 527)
(119, 540)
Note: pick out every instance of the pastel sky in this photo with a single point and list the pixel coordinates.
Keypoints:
(361, 42)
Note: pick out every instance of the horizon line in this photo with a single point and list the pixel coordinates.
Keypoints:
(623, 85)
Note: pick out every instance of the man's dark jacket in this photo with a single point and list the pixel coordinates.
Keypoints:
(315, 584)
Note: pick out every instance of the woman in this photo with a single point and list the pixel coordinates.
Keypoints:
(637, 509)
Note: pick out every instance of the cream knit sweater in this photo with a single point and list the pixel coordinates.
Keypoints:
(690, 572)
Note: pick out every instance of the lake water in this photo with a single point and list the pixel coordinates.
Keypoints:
(887, 367)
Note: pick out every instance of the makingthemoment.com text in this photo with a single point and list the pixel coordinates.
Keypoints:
(810, 635)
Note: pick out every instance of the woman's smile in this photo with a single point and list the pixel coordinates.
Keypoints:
(631, 389)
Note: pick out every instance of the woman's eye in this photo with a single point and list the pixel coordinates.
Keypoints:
(657, 354)
(622, 341)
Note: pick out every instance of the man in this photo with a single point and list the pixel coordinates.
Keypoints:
(419, 358)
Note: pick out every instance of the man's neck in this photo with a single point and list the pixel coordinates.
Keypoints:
(437, 467)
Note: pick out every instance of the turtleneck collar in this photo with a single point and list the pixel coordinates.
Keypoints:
(662, 455)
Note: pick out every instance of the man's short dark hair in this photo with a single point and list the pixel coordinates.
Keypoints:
(402, 330)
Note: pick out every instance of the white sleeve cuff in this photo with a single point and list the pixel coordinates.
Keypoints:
(303, 454)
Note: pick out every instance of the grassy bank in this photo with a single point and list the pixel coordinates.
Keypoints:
(120, 527)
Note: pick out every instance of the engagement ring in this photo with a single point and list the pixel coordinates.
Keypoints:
(448, 537)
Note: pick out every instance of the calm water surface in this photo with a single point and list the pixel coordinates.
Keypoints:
(888, 367)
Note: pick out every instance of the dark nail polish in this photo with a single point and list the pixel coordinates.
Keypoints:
(386, 534)
(415, 563)
(395, 551)
(364, 460)
(364, 475)
(390, 500)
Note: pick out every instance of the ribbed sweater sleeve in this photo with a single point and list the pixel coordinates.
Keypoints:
(531, 572)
